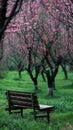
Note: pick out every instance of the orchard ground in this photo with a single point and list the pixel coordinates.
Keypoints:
(61, 118)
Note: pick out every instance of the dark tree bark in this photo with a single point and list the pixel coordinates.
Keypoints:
(65, 71)
(20, 76)
(51, 76)
(34, 77)
(5, 20)
(20, 69)
(51, 80)
(43, 76)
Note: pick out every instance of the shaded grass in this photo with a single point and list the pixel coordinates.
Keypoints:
(61, 118)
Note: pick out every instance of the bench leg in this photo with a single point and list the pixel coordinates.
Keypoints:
(34, 112)
(34, 116)
(22, 112)
(9, 111)
(48, 116)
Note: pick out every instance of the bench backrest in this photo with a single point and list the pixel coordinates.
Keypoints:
(22, 99)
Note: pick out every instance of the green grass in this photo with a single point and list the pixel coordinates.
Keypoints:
(61, 118)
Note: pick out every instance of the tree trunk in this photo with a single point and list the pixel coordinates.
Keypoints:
(50, 91)
(34, 79)
(19, 74)
(50, 84)
(51, 80)
(42, 73)
(54, 84)
(65, 71)
(35, 83)
(51, 87)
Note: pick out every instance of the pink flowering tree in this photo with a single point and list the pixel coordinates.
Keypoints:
(8, 9)
(46, 29)
(52, 23)
(16, 53)
(33, 64)
(37, 39)
(27, 40)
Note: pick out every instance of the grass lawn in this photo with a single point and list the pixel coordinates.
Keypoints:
(61, 118)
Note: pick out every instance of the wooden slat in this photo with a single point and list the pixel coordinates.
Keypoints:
(21, 98)
(15, 102)
(20, 94)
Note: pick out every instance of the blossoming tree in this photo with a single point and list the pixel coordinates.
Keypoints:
(47, 32)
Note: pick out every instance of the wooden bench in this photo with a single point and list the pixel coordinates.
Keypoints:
(17, 101)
